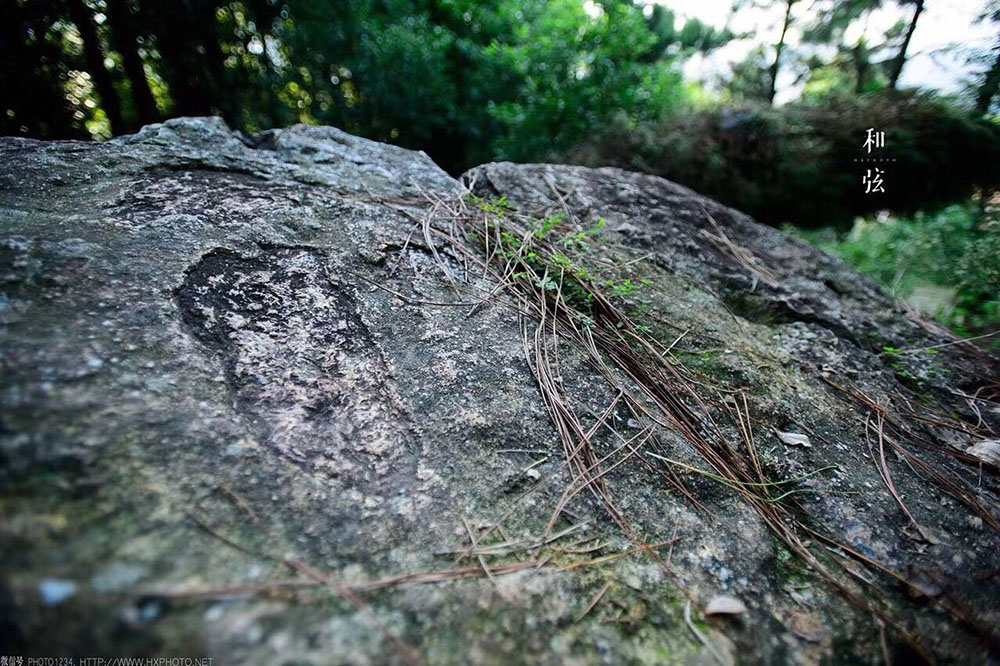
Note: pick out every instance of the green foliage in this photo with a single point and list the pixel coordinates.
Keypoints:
(750, 80)
(35, 70)
(693, 36)
(850, 72)
(465, 81)
(558, 257)
(955, 249)
(574, 72)
(413, 73)
(800, 163)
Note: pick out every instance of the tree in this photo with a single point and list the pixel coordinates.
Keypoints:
(896, 67)
(989, 87)
(575, 72)
(82, 17)
(989, 80)
(778, 48)
(852, 69)
(125, 39)
(751, 78)
(694, 36)
(420, 74)
(33, 71)
(796, 163)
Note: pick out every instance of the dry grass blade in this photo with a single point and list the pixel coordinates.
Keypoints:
(883, 468)
(403, 649)
(742, 255)
(593, 602)
(894, 432)
(701, 637)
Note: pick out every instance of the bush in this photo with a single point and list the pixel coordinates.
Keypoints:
(799, 164)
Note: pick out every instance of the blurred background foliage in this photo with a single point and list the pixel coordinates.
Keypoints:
(589, 82)
(945, 264)
(800, 163)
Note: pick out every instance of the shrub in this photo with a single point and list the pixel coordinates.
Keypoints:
(800, 163)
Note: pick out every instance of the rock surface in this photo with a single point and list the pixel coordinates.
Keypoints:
(234, 380)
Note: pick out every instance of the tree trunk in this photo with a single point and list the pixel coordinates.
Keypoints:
(989, 87)
(900, 60)
(777, 51)
(94, 56)
(35, 102)
(221, 97)
(859, 70)
(125, 40)
(182, 65)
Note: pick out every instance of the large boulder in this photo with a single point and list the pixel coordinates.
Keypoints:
(256, 406)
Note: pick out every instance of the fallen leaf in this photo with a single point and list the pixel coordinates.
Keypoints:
(987, 450)
(724, 604)
(794, 439)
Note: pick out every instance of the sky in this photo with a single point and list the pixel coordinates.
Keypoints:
(943, 23)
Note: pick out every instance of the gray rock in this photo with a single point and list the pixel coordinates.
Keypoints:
(226, 362)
